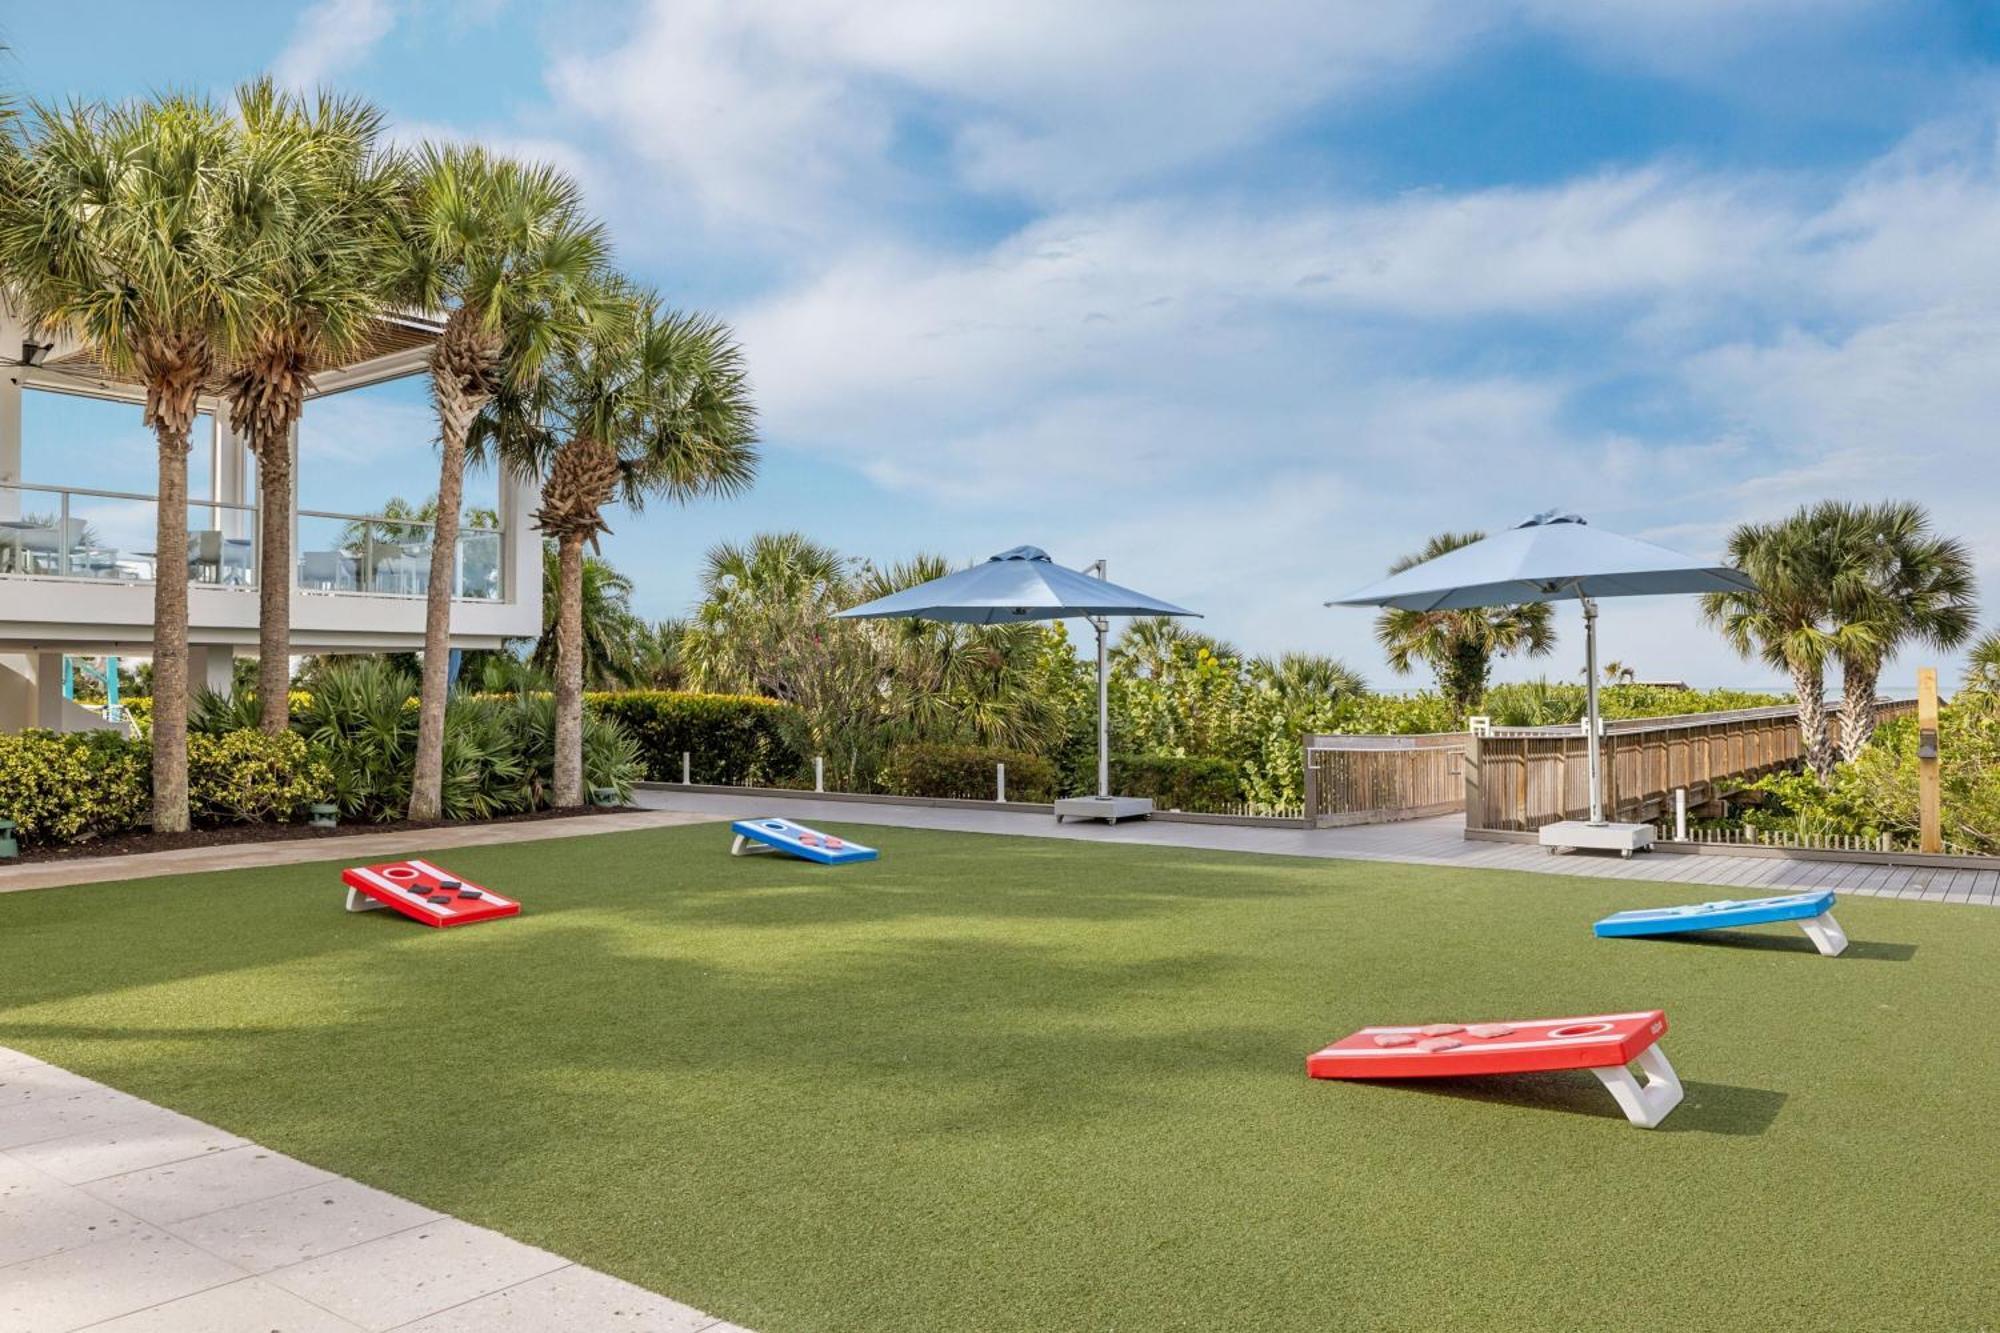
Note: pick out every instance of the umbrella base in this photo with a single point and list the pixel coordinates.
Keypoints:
(1624, 839)
(1108, 808)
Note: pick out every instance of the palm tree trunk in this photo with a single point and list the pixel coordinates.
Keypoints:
(456, 410)
(274, 583)
(1857, 708)
(569, 671)
(1810, 689)
(170, 630)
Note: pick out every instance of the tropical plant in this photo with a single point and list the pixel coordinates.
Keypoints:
(1908, 585)
(656, 654)
(320, 284)
(1982, 665)
(141, 229)
(504, 250)
(1801, 565)
(1617, 673)
(646, 404)
(757, 602)
(1460, 645)
(606, 627)
(1155, 646)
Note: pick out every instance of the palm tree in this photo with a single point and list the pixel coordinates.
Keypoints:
(1617, 673)
(648, 403)
(1911, 585)
(1460, 645)
(321, 284)
(1302, 679)
(755, 600)
(139, 228)
(1795, 565)
(1154, 646)
(504, 251)
(1982, 665)
(606, 626)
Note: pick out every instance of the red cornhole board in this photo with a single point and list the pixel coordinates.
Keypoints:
(418, 890)
(1602, 1043)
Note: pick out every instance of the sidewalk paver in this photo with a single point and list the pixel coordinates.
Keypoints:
(120, 1216)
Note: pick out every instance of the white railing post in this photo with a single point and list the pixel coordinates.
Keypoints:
(819, 772)
(1000, 783)
(687, 768)
(1680, 814)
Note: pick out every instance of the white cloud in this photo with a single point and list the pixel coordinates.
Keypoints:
(330, 38)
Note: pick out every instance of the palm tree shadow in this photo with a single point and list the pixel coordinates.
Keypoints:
(1706, 1108)
(1873, 951)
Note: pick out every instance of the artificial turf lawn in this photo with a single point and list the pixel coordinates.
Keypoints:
(996, 1083)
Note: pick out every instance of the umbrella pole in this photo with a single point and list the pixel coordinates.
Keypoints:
(1590, 722)
(1102, 569)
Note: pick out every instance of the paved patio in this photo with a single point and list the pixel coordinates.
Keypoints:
(1423, 842)
(122, 1216)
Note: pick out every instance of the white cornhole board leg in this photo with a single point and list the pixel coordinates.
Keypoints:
(1826, 934)
(1647, 1104)
(744, 847)
(361, 902)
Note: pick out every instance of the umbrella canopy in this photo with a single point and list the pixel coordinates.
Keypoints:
(1021, 584)
(1552, 557)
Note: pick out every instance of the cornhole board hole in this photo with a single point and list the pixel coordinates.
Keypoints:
(1813, 912)
(422, 892)
(1602, 1043)
(789, 839)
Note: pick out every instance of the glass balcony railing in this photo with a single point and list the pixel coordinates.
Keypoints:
(73, 532)
(386, 555)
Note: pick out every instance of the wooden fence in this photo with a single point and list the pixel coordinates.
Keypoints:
(1524, 777)
(1521, 778)
(1380, 779)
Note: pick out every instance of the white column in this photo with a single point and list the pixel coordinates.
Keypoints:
(10, 438)
(48, 691)
(209, 668)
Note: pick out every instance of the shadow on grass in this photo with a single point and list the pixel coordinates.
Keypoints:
(1706, 1108)
(1873, 951)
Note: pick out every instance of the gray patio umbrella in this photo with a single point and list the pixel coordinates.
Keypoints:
(1024, 584)
(1553, 556)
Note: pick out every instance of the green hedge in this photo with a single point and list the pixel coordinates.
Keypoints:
(1177, 782)
(62, 788)
(735, 740)
(965, 772)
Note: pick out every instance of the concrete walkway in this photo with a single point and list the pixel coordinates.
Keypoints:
(353, 847)
(122, 1216)
(1423, 842)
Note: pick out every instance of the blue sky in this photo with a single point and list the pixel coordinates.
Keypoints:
(1248, 298)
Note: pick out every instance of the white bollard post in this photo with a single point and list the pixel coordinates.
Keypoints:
(1680, 814)
(1000, 783)
(819, 772)
(687, 768)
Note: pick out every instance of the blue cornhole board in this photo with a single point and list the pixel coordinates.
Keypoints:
(1813, 912)
(782, 835)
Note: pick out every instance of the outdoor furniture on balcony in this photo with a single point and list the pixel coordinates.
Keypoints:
(329, 571)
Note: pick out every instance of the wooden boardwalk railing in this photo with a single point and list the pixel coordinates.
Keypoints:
(1380, 779)
(1523, 777)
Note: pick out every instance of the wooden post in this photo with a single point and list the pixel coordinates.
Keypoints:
(1930, 836)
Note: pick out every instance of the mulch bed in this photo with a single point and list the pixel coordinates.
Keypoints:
(137, 842)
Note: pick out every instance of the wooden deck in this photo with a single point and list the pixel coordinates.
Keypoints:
(1426, 842)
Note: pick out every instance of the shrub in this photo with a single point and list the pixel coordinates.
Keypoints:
(219, 714)
(611, 758)
(1177, 782)
(363, 721)
(63, 788)
(735, 740)
(965, 772)
(247, 776)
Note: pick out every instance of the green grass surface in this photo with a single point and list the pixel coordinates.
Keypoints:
(1004, 1083)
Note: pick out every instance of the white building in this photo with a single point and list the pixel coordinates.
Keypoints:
(77, 520)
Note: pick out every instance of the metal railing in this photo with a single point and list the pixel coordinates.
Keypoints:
(389, 556)
(81, 532)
